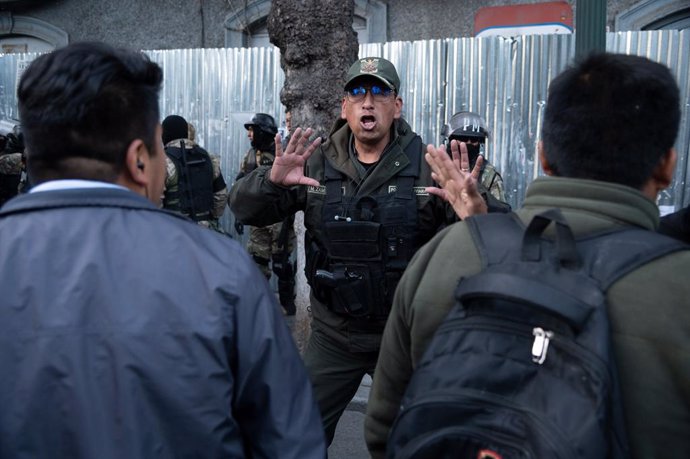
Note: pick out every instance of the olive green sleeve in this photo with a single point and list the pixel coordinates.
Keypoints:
(256, 201)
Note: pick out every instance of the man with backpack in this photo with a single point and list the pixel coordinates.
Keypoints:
(603, 179)
(194, 183)
(11, 163)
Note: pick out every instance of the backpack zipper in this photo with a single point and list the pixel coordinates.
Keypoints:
(592, 361)
(540, 346)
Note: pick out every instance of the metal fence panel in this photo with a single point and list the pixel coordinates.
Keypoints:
(503, 79)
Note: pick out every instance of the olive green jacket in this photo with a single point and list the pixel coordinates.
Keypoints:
(256, 201)
(649, 311)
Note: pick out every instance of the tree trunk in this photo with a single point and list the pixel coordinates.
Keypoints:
(317, 46)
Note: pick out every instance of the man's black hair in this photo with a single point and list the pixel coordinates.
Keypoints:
(87, 101)
(611, 117)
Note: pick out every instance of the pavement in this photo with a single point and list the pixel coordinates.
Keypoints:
(359, 402)
(348, 442)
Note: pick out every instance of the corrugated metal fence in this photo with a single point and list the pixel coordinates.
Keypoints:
(505, 80)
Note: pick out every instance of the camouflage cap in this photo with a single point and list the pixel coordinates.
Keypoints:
(376, 67)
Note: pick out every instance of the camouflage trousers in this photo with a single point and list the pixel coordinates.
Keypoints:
(212, 224)
(263, 245)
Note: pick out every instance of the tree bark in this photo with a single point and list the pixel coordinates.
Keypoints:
(317, 45)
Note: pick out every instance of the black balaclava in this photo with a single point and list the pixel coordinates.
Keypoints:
(261, 140)
(174, 127)
(472, 150)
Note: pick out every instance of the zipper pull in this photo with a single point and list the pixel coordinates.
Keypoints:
(541, 344)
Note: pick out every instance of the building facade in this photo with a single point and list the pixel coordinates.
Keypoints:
(41, 25)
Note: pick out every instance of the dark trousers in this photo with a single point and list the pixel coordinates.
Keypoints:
(335, 373)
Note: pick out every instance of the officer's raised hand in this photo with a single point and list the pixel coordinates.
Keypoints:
(458, 185)
(288, 167)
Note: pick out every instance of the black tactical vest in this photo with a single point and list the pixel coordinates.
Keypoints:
(369, 242)
(194, 182)
(9, 186)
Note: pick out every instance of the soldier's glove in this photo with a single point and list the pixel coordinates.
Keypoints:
(239, 228)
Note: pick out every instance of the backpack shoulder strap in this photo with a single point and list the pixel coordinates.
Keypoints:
(174, 152)
(613, 255)
(496, 235)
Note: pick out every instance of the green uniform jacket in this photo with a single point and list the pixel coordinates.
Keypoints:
(257, 201)
(649, 310)
(258, 157)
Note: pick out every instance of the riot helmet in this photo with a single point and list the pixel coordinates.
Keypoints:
(264, 123)
(264, 130)
(466, 125)
(470, 128)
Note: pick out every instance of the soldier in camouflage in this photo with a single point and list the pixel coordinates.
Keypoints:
(194, 183)
(11, 165)
(470, 128)
(270, 245)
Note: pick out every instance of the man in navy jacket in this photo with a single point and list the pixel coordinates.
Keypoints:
(127, 331)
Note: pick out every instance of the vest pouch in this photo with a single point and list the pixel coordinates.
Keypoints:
(354, 240)
(315, 262)
(352, 292)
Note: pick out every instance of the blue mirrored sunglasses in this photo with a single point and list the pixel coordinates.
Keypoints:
(358, 92)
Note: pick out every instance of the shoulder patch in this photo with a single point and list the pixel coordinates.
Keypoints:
(321, 189)
(418, 190)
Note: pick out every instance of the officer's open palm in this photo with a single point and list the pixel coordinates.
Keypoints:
(288, 167)
(458, 184)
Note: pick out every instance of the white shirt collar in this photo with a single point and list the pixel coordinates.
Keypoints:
(70, 184)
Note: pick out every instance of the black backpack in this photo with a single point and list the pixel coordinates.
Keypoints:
(522, 366)
(195, 184)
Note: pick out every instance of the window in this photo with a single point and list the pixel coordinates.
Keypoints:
(247, 26)
(27, 34)
(654, 15)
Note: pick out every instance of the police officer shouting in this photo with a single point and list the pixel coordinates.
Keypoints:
(367, 211)
(270, 246)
